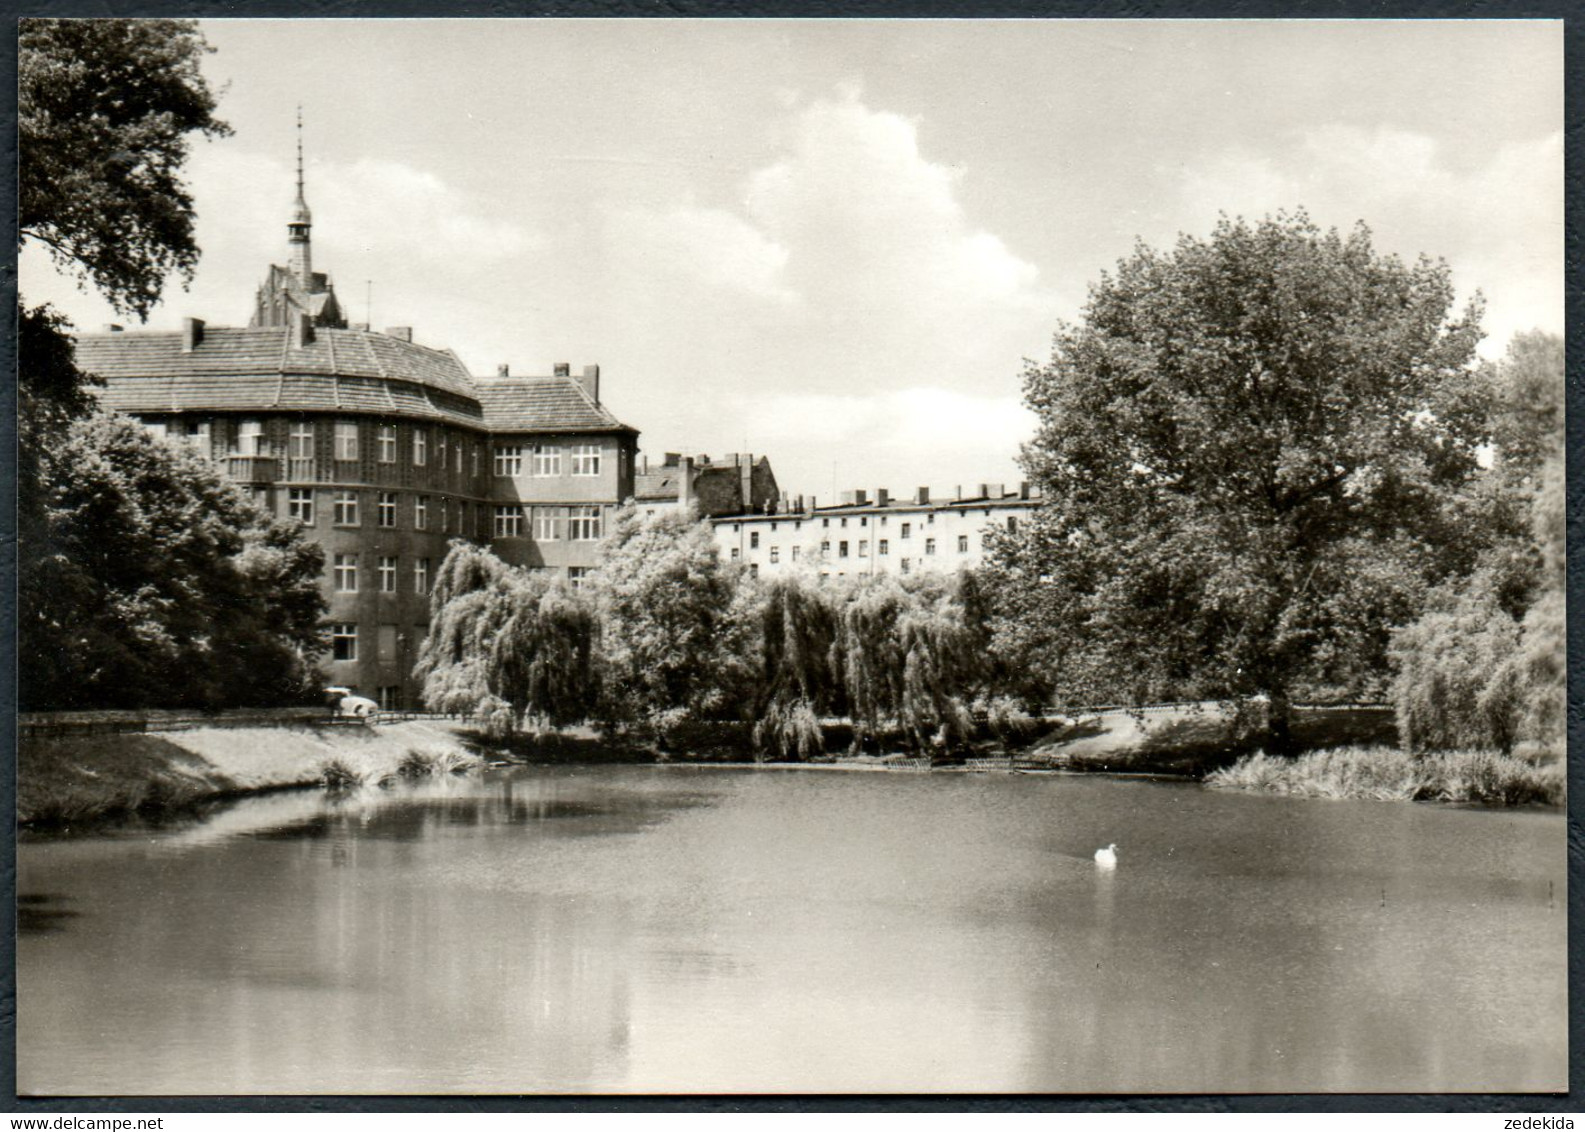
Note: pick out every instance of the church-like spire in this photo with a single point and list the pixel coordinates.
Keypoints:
(300, 259)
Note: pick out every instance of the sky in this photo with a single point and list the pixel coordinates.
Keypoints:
(835, 243)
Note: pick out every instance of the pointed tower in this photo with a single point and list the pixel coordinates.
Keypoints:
(299, 249)
(297, 289)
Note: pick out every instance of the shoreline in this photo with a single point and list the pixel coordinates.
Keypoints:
(86, 778)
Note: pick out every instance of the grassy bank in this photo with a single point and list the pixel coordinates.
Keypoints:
(66, 779)
(1480, 777)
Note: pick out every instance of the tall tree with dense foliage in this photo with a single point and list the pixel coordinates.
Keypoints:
(105, 111)
(667, 635)
(507, 646)
(146, 579)
(1485, 666)
(164, 585)
(1247, 448)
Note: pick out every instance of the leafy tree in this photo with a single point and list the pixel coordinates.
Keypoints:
(1249, 448)
(1485, 665)
(104, 111)
(666, 631)
(162, 584)
(505, 644)
(796, 680)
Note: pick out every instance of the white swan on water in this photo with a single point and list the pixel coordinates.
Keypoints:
(1107, 858)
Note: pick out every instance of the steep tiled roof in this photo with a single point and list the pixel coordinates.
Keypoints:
(542, 404)
(251, 368)
(235, 351)
(657, 484)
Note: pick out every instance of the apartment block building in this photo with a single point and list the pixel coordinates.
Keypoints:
(863, 535)
(383, 449)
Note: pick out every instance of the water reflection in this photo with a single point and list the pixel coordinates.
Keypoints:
(677, 929)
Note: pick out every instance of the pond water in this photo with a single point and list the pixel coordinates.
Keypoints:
(675, 929)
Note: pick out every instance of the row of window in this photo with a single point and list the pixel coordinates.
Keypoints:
(346, 509)
(344, 572)
(347, 444)
(549, 524)
(387, 641)
(546, 459)
(882, 547)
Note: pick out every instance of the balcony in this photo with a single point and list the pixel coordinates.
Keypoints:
(253, 469)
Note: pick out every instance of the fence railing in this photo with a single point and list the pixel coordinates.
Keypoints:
(47, 724)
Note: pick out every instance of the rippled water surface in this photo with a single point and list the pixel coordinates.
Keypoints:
(696, 930)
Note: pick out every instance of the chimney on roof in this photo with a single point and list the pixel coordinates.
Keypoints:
(113, 328)
(922, 495)
(591, 382)
(405, 333)
(301, 329)
(561, 369)
(685, 483)
(882, 496)
(993, 490)
(503, 370)
(1023, 490)
(192, 333)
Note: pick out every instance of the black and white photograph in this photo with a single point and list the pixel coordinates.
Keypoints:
(785, 557)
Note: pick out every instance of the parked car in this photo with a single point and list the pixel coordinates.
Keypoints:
(348, 705)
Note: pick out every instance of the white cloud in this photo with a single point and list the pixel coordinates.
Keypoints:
(716, 248)
(1499, 224)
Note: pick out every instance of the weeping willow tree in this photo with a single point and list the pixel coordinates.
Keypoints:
(911, 656)
(507, 646)
(796, 668)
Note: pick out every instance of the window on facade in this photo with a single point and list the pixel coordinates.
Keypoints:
(548, 523)
(547, 460)
(346, 440)
(795, 553)
(930, 518)
(346, 509)
(930, 546)
(883, 520)
(842, 549)
(753, 540)
(753, 569)
(475, 461)
(735, 554)
(585, 459)
(344, 641)
(440, 450)
(844, 520)
(156, 428)
(576, 575)
(196, 433)
(420, 447)
(445, 516)
(387, 574)
(583, 523)
(1012, 522)
(421, 513)
(509, 520)
(300, 441)
(385, 644)
(775, 554)
(390, 697)
(387, 444)
(387, 511)
(864, 548)
(250, 438)
(882, 548)
(905, 566)
(864, 520)
(825, 546)
(825, 522)
(300, 505)
(346, 573)
(421, 576)
(907, 531)
(508, 460)
(963, 544)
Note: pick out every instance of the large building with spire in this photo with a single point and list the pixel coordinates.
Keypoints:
(384, 450)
